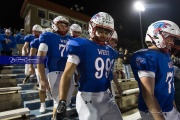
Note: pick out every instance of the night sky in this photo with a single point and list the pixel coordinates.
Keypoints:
(125, 16)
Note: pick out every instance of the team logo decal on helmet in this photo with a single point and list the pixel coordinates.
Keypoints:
(159, 26)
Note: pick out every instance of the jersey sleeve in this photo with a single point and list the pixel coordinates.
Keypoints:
(35, 43)
(26, 39)
(143, 62)
(43, 38)
(73, 47)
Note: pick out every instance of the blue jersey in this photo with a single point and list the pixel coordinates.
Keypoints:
(161, 64)
(29, 38)
(116, 54)
(35, 43)
(94, 66)
(20, 38)
(56, 54)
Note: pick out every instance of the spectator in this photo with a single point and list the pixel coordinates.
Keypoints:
(9, 43)
(120, 59)
(20, 41)
(126, 63)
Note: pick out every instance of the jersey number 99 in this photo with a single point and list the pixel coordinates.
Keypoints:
(102, 65)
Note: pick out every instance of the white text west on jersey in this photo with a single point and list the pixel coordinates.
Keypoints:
(103, 52)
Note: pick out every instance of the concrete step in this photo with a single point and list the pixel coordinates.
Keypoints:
(35, 104)
(16, 71)
(8, 76)
(8, 83)
(13, 113)
(20, 75)
(14, 67)
(36, 115)
(132, 115)
(6, 71)
(31, 80)
(29, 95)
(10, 99)
(27, 86)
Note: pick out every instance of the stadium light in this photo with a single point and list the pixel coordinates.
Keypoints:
(139, 6)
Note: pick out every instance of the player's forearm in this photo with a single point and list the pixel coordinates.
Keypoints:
(64, 86)
(41, 67)
(33, 52)
(153, 106)
(25, 48)
(41, 71)
(65, 81)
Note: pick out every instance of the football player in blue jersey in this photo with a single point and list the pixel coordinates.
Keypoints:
(93, 58)
(36, 31)
(20, 41)
(75, 30)
(177, 87)
(114, 75)
(42, 93)
(52, 45)
(153, 70)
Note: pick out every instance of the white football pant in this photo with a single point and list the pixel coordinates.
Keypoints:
(54, 79)
(97, 106)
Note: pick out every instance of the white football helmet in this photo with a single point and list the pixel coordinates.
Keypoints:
(114, 36)
(102, 20)
(47, 30)
(158, 32)
(75, 27)
(37, 28)
(59, 19)
(114, 40)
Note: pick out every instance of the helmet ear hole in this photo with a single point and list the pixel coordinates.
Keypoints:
(153, 42)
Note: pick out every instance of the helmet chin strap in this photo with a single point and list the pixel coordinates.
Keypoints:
(165, 50)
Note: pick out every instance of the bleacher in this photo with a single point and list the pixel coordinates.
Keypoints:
(20, 101)
(128, 101)
(10, 98)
